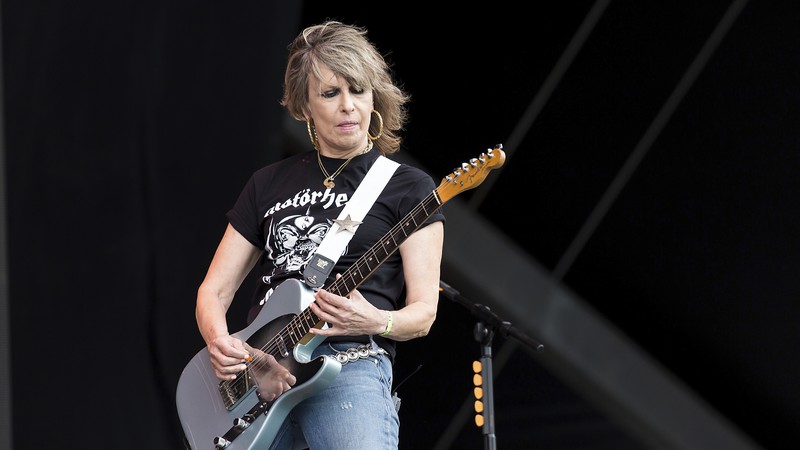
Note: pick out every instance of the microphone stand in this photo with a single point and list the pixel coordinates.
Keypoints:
(484, 334)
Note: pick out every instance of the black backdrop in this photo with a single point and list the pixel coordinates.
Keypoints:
(131, 127)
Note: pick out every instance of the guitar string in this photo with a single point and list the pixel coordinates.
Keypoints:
(259, 362)
(431, 198)
(272, 344)
(272, 347)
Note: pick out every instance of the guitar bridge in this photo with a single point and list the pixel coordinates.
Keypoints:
(233, 391)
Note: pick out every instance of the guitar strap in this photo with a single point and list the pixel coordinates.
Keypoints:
(344, 227)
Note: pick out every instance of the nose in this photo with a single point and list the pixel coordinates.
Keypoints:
(347, 102)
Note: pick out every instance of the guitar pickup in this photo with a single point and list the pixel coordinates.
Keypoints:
(282, 346)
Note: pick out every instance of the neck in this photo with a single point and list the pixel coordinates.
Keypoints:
(349, 154)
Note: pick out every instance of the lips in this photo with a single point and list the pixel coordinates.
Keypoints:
(348, 125)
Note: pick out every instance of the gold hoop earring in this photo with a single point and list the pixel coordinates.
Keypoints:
(312, 134)
(380, 130)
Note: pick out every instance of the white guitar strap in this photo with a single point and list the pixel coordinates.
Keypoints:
(343, 228)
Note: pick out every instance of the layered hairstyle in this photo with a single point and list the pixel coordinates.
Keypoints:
(346, 50)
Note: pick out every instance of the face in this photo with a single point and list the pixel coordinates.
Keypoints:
(341, 114)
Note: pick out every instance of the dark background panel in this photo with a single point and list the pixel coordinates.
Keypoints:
(131, 128)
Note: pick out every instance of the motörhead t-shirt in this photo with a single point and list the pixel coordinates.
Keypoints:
(286, 210)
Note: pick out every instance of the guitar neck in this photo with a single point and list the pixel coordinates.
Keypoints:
(466, 177)
(299, 326)
(388, 244)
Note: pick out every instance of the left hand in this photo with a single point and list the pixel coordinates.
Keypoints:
(345, 316)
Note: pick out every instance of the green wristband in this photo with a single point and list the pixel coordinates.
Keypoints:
(388, 324)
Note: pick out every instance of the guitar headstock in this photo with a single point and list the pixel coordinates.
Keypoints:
(471, 174)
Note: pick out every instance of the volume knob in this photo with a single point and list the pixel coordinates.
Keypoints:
(240, 423)
(220, 442)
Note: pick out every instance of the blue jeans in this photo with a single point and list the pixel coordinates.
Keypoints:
(355, 412)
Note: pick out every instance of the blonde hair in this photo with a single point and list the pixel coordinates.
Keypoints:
(346, 50)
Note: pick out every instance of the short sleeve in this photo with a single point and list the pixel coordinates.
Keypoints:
(243, 216)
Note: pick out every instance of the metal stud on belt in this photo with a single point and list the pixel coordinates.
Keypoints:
(354, 354)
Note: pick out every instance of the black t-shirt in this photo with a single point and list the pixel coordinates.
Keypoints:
(286, 210)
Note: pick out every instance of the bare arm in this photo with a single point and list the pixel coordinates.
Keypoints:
(422, 256)
(233, 260)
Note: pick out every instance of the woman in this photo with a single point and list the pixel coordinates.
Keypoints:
(339, 84)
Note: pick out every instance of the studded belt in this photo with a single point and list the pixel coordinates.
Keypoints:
(360, 352)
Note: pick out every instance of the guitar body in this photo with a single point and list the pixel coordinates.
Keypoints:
(202, 409)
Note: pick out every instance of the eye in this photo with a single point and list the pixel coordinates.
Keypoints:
(356, 90)
(330, 93)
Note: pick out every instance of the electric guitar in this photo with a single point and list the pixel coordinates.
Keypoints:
(229, 414)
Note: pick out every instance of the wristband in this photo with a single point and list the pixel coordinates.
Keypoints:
(388, 324)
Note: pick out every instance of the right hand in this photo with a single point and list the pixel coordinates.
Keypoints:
(228, 356)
